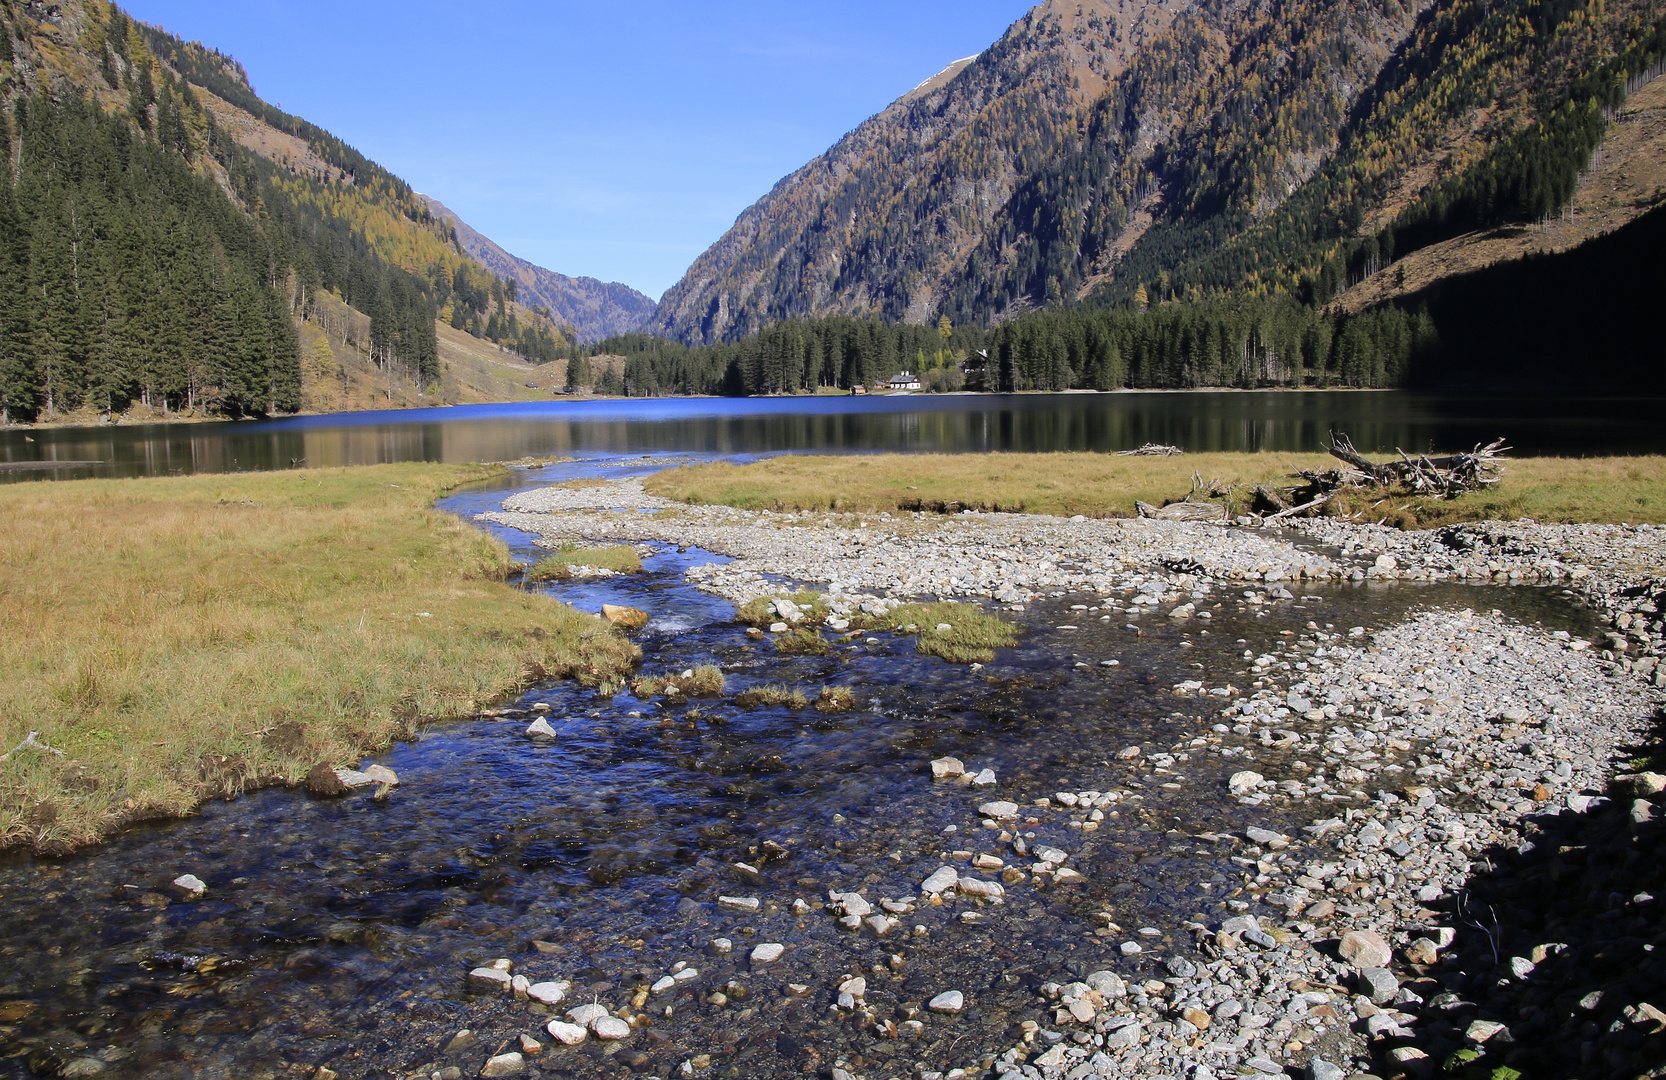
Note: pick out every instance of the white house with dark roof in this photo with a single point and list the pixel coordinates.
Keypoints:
(904, 380)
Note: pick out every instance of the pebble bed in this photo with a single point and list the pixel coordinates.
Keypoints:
(1417, 752)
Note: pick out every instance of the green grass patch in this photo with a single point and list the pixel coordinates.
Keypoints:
(185, 638)
(802, 642)
(703, 681)
(771, 696)
(972, 636)
(621, 559)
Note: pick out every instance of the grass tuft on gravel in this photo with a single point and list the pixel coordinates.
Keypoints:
(186, 638)
(755, 612)
(802, 642)
(1599, 490)
(703, 681)
(621, 559)
(770, 696)
(835, 699)
(972, 636)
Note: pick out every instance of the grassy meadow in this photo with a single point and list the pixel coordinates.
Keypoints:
(1610, 489)
(185, 638)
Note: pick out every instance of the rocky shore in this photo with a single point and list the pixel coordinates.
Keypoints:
(1470, 886)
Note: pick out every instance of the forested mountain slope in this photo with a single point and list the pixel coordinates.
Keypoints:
(593, 308)
(167, 238)
(1139, 152)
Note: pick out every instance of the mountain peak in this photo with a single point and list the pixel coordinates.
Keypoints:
(595, 309)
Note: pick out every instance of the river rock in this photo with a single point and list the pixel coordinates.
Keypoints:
(767, 953)
(83, 1067)
(948, 1002)
(1379, 984)
(1244, 783)
(381, 774)
(739, 903)
(190, 883)
(586, 1015)
(540, 729)
(628, 617)
(510, 1064)
(548, 993)
(999, 809)
(971, 886)
(490, 978)
(1365, 949)
(944, 768)
(941, 880)
(566, 1034)
(610, 1029)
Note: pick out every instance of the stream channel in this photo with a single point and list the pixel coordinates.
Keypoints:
(339, 933)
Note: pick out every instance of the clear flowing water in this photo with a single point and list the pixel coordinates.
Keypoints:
(339, 932)
(1201, 420)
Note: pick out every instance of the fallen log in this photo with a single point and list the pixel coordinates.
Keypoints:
(1182, 511)
(1152, 450)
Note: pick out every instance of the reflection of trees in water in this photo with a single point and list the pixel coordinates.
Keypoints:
(1197, 421)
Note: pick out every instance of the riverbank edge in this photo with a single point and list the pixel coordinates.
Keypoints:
(562, 643)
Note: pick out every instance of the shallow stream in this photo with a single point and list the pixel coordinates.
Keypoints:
(339, 933)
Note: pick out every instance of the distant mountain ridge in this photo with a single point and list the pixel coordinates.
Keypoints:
(1134, 151)
(595, 309)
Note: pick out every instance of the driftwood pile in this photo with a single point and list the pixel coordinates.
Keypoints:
(1446, 477)
(1152, 449)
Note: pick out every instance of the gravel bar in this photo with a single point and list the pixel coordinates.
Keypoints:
(1460, 774)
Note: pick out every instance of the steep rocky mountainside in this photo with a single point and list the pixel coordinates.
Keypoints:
(1104, 149)
(883, 222)
(595, 309)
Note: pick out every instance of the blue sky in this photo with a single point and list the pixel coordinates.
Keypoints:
(617, 140)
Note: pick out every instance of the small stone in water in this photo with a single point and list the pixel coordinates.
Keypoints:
(547, 993)
(739, 903)
(566, 1034)
(611, 1029)
(948, 1002)
(491, 977)
(511, 1064)
(999, 809)
(942, 879)
(190, 883)
(945, 767)
(540, 729)
(767, 953)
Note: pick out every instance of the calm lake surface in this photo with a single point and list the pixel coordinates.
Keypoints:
(1198, 421)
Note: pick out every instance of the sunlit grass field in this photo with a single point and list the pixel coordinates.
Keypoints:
(184, 638)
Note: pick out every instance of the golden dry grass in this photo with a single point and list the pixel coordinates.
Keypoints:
(1603, 490)
(185, 638)
(1097, 485)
